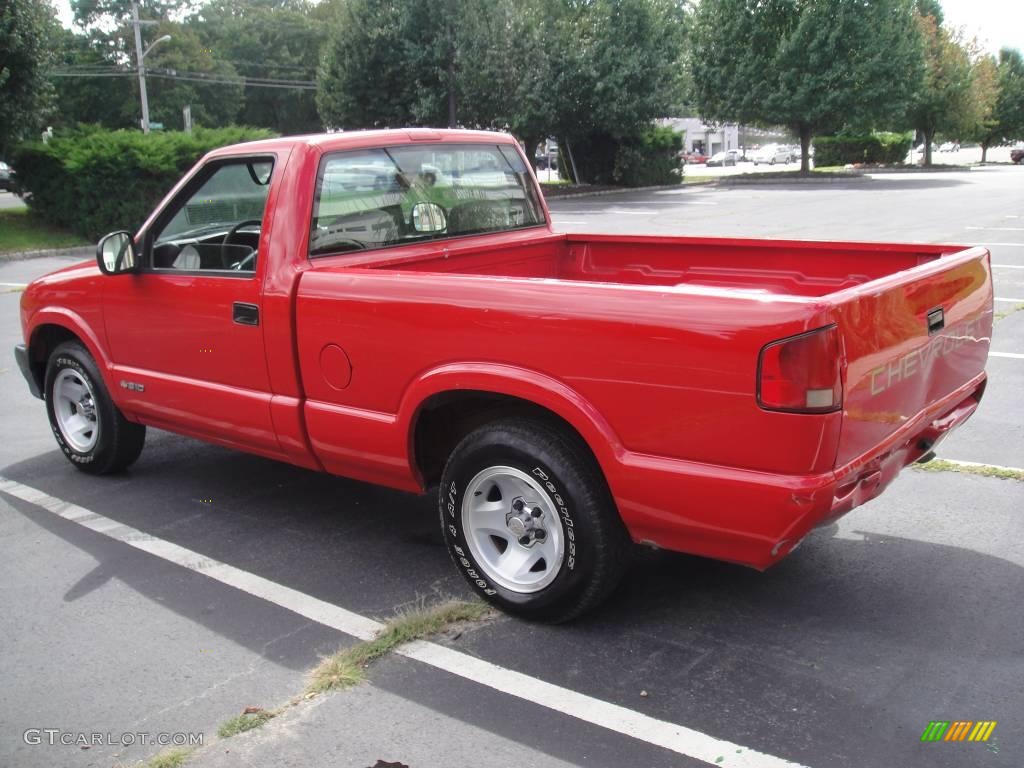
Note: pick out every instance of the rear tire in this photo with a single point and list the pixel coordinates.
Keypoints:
(91, 432)
(529, 521)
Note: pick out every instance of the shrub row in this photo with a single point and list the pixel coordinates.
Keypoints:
(93, 180)
(645, 158)
(881, 148)
(652, 158)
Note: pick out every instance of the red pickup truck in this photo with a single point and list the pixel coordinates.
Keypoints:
(393, 306)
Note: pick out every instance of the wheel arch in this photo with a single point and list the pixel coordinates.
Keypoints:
(448, 403)
(53, 327)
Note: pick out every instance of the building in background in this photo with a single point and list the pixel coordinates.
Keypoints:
(702, 137)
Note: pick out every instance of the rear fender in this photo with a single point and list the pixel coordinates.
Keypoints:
(521, 383)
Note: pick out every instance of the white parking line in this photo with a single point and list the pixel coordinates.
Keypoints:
(1009, 266)
(1011, 301)
(1013, 355)
(1004, 245)
(999, 229)
(14, 285)
(677, 738)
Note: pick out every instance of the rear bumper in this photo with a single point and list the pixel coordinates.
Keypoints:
(21, 355)
(757, 518)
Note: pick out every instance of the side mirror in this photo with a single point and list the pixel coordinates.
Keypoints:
(428, 217)
(115, 253)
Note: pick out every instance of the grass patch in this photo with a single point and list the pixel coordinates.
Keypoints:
(169, 758)
(1007, 312)
(347, 667)
(244, 722)
(22, 231)
(941, 465)
(696, 179)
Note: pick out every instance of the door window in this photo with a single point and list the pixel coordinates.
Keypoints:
(216, 226)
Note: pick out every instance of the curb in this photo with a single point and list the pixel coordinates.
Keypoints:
(619, 191)
(728, 181)
(79, 251)
(724, 181)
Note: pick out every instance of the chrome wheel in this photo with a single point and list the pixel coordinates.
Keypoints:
(74, 406)
(513, 529)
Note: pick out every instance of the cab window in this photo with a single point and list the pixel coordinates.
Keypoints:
(391, 196)
(216, 225)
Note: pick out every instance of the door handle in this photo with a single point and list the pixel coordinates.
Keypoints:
(245, 314)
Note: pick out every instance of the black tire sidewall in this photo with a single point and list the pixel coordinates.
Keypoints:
(560, 481)
(72, 356)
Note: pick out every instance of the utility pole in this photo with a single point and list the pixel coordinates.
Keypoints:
(142, 70)
(140, 55)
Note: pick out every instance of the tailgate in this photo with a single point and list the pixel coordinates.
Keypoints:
(911, 339)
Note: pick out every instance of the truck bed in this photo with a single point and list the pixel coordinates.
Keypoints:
(782, 267)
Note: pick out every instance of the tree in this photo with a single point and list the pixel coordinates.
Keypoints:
(815, 66)
(591, 72)
(27, 29)
(1007, 119)
(268, 40)
(984, 97)
(89, 88)
(944, 101)
(185, 72)
(365, 79)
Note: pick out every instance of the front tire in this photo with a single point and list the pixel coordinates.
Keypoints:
(90, 430)
(529, 521)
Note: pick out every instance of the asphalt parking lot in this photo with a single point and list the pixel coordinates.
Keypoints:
(905, 612)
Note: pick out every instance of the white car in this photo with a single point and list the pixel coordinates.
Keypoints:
(728, 157)
(950, 146)
(772, 154)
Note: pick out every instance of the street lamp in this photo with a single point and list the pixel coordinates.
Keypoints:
(141, 54)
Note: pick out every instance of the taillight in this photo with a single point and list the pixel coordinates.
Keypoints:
(801, 373)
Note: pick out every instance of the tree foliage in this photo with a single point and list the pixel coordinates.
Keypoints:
(269, 40)
(591, 72)
(27, 28)
(814, 66)
(1006, 120)
(229, 60)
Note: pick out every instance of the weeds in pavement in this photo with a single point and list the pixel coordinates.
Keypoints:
(347, 667)
(244, 722)
(1006, 312)
(941, 465)
(169, 758)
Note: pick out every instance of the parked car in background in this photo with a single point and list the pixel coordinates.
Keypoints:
(6, 176)
(772, 154)
(950, 146)
(728, 157)
(693, 157)
(1017, 155)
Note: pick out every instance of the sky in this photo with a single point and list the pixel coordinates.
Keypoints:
(996, 23)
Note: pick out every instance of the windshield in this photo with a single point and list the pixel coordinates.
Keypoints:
(365, 199)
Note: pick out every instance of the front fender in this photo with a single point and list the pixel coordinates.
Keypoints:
(74, 323)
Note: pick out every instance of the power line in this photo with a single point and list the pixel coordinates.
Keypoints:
(197, 77)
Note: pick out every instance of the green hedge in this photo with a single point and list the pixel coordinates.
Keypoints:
(646, 158)
(93, 180)
(650, 159)
(874, 148)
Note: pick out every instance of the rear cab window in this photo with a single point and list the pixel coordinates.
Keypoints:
(379, 198)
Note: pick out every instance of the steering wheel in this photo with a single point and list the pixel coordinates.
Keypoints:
(227, 239)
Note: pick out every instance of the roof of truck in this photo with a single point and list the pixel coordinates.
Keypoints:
(358, 139)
